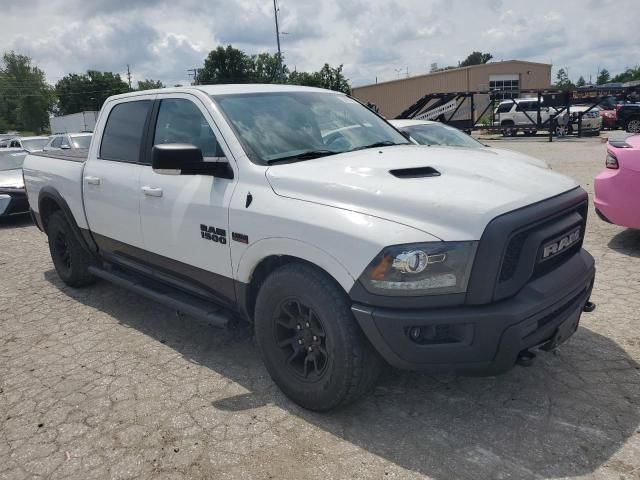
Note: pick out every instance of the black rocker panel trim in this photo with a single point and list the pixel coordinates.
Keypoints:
(194, 280)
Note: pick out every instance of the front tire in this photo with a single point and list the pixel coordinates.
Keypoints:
(310, 342)
(633, 125)
(70, 258)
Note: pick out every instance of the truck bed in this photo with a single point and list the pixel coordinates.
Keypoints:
(60, 173)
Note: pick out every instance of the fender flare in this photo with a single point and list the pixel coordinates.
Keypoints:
(50, 193)
(281, 246)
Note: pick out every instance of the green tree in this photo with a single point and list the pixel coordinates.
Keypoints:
(562, 80)
(231, 65)
(25, 97)
(332, 78)
(149, 84)
(328, 77)
(581, 82)
(265, 68)
(628, 75)
(603, 77)
(305, 78)
(80, 92)
(476, 58)
(226, 65)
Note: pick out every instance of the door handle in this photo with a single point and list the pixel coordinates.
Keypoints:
(92, 180)
(152, 191)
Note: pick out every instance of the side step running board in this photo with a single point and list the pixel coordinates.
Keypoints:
(182, 302)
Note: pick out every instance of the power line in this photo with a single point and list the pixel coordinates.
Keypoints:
(73, 93)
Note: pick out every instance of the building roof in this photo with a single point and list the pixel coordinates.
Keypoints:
(457, 69)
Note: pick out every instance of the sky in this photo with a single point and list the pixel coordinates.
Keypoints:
(374, 39)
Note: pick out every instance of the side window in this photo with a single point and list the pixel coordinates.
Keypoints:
(505, 107)
(123, 132)
(56, 142)
(15, 144)
(180, 121)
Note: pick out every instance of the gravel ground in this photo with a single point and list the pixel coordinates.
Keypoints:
(100, 383)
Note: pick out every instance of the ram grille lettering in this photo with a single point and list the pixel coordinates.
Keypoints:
(558, 246)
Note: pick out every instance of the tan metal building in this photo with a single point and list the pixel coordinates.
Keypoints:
(510, 76)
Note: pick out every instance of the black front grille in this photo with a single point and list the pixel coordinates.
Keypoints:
(513, 252)
(512, 255)
(515, 239)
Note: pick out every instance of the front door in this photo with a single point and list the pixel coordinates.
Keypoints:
(184, 218)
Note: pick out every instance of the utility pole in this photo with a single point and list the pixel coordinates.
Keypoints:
(275, 13)
(193, 72)
(129, 76)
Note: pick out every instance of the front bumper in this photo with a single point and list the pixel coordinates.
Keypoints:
(484, 339)
(13, 203)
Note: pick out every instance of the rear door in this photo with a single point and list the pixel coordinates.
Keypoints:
(521, 117)
(185, 218)
(111, 176)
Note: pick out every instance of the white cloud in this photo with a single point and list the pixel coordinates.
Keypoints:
(161, 39)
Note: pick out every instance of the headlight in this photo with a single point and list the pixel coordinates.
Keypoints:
(433, 268)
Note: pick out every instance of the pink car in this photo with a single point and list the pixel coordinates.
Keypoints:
(617, 189)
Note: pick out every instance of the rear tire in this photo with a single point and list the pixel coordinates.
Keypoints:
(310, 342)
(507, 128)
(70, 258)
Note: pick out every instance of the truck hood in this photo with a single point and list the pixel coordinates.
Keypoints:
(474, 186)
(11, 178)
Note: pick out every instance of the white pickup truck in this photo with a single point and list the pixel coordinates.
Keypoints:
(301, 211)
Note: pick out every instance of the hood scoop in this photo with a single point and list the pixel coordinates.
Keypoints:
(416, 172)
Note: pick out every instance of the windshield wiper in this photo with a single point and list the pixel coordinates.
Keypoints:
(386, 143)
(308, 155)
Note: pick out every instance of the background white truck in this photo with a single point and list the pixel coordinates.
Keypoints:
(73, 123)
(304, 213)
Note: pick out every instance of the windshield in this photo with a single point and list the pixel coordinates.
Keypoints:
(11, 160)
(81, 141)
(303, 125)
(438, 134)
(34, 144)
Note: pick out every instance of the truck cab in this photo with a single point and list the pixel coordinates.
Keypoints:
(304, 214)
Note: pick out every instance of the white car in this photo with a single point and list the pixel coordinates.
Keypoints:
(591, 119)
(304, 214)
(520, 114)
(426, 132)
(30, 144)
(68, 141)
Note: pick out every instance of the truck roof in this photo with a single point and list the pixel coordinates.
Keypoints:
(223, 89)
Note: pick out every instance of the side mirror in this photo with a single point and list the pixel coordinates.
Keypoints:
(65, 147)
(186, 159)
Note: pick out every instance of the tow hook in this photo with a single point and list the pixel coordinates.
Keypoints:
(525, 358)
(589, 307)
